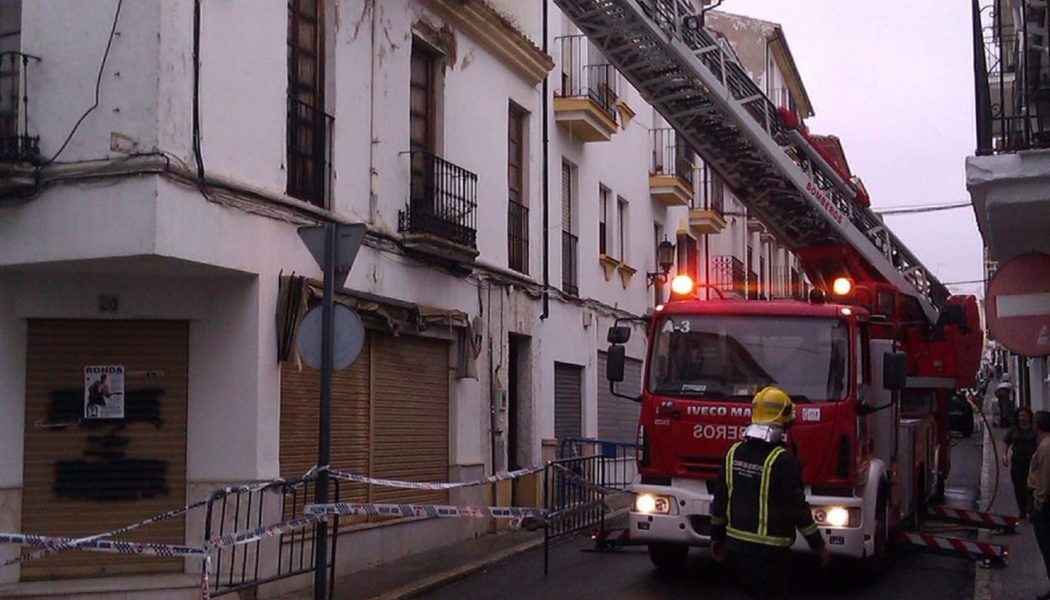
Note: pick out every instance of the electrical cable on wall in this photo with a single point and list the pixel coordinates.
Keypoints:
(98, 89)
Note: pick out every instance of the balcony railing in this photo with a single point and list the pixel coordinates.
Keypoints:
(710, 191)
(569, 264)
(727, 273)
(1012, 73)
(586, 74)
(309, 152)
(16, 145)
(671, 155)
(442, 200)
(518, 236)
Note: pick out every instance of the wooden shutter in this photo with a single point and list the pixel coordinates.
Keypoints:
(410, 415)
(566, 197)
(568, 401)
(83, 478)
(618, 417)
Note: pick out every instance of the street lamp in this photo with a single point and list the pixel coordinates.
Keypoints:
(665, 259)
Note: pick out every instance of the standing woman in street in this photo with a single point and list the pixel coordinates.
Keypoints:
(1021, 442)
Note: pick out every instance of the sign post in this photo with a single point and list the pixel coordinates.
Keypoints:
(334, 247)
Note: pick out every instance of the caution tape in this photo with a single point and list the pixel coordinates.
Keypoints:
(75, 543)
(430, 485)
(265, 531)
(112, 546)
(372, 509)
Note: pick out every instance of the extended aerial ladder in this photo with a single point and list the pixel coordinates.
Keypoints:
(701, 90)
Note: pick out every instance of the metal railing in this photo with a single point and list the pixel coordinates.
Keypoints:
(1012, 77)
(586, 74)
(671, 155)
(518, 236)
(572, 504)
(249, 565)
(16, 145)
(309, 152)
(727, 273)
(711, 191)
(569, 264)
(619, 459)
(442, 200)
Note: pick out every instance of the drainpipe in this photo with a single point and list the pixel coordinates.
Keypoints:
(373, 176)
(546, 177)
(197, 89)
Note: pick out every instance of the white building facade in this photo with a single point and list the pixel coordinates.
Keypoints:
(155, 230)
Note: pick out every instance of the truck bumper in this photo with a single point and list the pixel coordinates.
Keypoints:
(689, 522)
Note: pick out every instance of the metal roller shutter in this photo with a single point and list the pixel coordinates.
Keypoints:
(568, 401)
(410, 415)
(618, 417)
(88, 477)
(351, 405)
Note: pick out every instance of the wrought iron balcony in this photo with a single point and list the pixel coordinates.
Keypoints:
(570, 281)
(586, 74)
(309, 152)
(671, 156)
(518, 236)
(16, 145)
(442, 202)
(1012, 72)
(727, 273)
(585, 101)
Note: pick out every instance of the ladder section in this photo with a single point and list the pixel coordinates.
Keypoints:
(700, 89)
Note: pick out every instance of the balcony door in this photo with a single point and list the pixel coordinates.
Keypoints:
(308, 125)
(422, 127)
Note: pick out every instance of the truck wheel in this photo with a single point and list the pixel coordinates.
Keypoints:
(873, 566)
(668, 558)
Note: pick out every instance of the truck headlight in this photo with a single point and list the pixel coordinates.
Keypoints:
(836, 516)
(649, 504)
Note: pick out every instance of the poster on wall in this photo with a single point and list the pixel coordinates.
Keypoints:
(104, 392)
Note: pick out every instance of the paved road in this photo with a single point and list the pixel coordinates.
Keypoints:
(627, 574)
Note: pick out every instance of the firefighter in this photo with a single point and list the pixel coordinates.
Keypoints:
(760, 500)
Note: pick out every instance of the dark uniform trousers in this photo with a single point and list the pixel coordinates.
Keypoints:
(759, 501)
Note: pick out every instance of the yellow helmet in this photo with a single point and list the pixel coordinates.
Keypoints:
(772, 406)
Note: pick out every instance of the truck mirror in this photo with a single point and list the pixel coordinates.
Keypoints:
(894, 370)
(618, 334)
(614, 362)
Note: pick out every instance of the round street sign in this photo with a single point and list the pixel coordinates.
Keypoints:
(1018, 308)
(349, 337)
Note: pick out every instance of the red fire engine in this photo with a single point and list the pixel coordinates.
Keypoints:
(870, 360)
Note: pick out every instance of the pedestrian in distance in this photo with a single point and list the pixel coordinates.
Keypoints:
(1039, 481)
(760, 501)
(1021, 442)
(1004, 395)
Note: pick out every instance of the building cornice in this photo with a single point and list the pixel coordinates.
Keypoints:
(498, 35)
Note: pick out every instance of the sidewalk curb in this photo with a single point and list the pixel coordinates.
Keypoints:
(434, 581)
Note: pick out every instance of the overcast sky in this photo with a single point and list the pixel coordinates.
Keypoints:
(894, 81)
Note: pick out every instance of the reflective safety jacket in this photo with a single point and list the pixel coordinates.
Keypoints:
(760, 497)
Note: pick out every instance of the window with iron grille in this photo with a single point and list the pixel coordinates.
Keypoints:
(622, 215)
(517, 206)
(569, 241)
(15, 142)
(603, 220)
(309, 127)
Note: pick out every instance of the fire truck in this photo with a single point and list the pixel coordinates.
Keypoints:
(870, 359)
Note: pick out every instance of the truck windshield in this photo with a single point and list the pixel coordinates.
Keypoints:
(728, 357)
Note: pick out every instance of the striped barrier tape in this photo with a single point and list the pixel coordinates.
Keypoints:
(956, 545)
(981, 519)
(112, 546)
(265, 531)
(74, 543)
(429, 485)
(424, 510)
